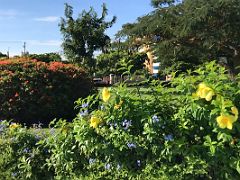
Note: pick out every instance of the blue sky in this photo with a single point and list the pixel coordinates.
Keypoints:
(36, 21)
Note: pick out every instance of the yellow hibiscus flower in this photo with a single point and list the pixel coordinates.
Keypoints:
(205, 92)
(94, 121)
(105, 94)
(225, 121)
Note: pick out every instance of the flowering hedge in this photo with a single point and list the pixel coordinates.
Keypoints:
(187, 131)
(32, 91)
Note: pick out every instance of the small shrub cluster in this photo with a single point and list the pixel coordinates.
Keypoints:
(189, 130)
(20, 155)
(32, 91)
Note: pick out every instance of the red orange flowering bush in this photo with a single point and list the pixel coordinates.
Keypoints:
(32, 91)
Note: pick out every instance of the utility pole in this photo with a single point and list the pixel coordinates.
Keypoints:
(24, 48)
(8, 54)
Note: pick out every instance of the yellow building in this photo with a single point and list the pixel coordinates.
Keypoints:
(149, 62)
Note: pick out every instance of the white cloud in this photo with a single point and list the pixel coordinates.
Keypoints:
(47, 19)
(8, 14)
(44, 43)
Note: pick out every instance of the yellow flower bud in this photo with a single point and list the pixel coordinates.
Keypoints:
(105, 94)
(117, 106)
(235, 112)
(14, 126)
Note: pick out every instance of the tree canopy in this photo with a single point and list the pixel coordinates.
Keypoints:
(84, 35)
(118, 61)
(47, 57)
(190, 32)
(3, 55)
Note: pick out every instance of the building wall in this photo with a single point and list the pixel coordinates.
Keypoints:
(148, 62)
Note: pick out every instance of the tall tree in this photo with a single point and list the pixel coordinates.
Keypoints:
(84, 35)
(191, 32)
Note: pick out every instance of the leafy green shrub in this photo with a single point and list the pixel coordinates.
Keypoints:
(33, 92)
(189, 130)
(21, 157)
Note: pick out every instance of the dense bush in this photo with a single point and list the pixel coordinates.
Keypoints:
(33, 91)
(20, 155)
(187, 131)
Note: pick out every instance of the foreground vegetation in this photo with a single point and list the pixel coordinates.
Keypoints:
(187, 131)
